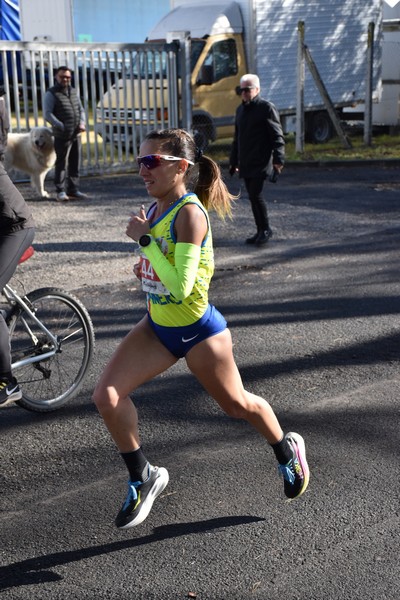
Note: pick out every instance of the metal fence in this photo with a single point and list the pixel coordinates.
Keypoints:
(126, 91)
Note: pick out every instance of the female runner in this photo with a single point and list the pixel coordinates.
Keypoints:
(175, 268)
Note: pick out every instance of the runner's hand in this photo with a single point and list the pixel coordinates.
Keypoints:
(138, 225)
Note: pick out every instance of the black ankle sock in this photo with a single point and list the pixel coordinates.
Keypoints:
(283, 451)
(137, 464)
(7, 377)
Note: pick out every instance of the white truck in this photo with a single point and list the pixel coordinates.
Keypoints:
(229, 39)
(386, 108)
(86, 20)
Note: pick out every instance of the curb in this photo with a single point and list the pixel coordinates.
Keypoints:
(372, 162)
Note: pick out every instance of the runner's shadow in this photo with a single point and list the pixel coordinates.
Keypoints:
(38, 570)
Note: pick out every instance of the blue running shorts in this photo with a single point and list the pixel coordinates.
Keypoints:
(179, 340)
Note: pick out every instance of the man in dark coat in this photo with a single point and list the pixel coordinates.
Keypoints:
(257, 143)
(64, 111)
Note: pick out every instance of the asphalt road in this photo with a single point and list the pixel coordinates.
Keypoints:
(315, 321)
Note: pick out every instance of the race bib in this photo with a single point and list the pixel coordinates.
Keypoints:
(150, 280)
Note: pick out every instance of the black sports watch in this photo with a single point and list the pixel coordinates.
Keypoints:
(145, 240)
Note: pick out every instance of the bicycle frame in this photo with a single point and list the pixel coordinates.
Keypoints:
(52, 341)
(13, 297)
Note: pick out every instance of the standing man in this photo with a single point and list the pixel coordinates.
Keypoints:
(258, 137)
(64, 111)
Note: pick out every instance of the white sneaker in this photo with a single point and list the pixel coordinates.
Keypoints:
(140, 498)
(62, 197)
(9, 391)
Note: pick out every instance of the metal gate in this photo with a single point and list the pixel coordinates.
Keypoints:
(126, 90)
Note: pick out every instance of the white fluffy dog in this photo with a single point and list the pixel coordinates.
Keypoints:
(32, 153)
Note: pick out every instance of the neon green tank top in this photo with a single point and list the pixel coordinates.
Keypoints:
(161, 304)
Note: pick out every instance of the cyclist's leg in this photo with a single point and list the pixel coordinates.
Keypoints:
(12, 247)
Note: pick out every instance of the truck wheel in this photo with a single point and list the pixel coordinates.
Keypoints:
(200, 137)
(320, 128)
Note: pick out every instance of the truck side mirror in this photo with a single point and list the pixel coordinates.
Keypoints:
(206, 75)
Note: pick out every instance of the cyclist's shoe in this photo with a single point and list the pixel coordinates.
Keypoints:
(9, 391)
(140, 498)
(295, 473)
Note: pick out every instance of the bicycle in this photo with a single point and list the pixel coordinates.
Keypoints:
(52, 344)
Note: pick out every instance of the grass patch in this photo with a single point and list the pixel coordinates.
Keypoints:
(384, 146)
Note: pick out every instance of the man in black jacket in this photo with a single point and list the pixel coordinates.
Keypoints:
(258, 141)
(64, 111)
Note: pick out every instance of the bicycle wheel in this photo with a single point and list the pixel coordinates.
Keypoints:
(54, 380)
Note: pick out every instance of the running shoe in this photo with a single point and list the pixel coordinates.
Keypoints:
(140, 498)
(9, 391)
(296, 473)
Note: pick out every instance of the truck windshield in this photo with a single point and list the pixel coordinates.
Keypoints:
(153, 63)
(195, 51)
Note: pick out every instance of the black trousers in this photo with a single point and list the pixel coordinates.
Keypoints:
(12, 247)
(255, 187)
(66, 170)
